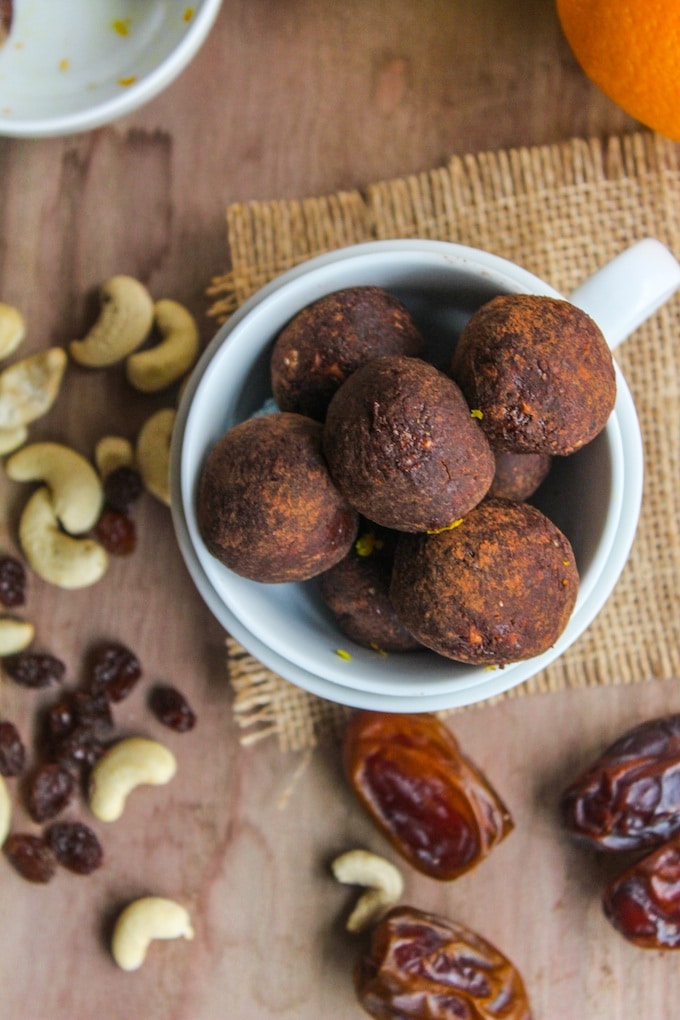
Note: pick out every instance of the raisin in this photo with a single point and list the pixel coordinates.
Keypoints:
(12, 750)
(50, 790)
(117, 532)
(75, 846)
(59, 719)
(115, 670)
(78, 749)
(34, 669)
(122, 487)
(12, 582)
(171, 708)
(31, 856)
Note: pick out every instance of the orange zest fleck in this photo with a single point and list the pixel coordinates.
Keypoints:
(122, 26)
(127, 81)
(476, 413)
(376, 648)
(447, 527)
(64, 64)
(188, 13)
(342, 654)
(367, 543)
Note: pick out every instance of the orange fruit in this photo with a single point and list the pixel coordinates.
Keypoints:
(631, 50)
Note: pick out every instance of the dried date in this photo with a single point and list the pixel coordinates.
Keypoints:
(422, 966)
(12, 750)
(429, 800)
(50, 790)
(629, 797)
(34, 669)
(30, 856)
(171, 708)
(12, 582)
(643, 903)
(115, 670)
(75, 846)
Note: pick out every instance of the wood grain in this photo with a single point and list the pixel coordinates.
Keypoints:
(286, 99)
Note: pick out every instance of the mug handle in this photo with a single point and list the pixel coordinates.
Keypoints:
(629, 289)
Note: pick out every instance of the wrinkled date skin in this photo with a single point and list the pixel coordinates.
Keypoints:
(629, 798)
(644, 902)
(437, 810)
(423, 966)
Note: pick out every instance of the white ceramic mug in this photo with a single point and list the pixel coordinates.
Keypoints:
(594, 496)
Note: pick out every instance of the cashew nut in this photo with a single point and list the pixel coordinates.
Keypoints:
(153, 453)
(75, 487)
(29, 387)
(125, 320)
(142, 922)
(129, 763)
(383, 881)
(12, 329)
(162, 365)
(15, 635)
(5, 811)
(112, 452)
(56, 557)
(12, 439)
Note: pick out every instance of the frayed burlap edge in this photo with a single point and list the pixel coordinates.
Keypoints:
(561, 211)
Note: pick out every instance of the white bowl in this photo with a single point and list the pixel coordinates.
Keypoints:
(72, 65)
(594, 496)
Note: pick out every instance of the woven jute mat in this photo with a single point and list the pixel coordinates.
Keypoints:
(560, 211)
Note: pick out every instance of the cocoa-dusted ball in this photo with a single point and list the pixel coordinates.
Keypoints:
(540, 372)
(403, 448)
(356, 590)
(267, 507)
(329, 339)
(498, 588)
(518, 475)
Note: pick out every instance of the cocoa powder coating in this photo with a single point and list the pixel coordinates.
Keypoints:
(403, 448)
(267, 507)
(498, 588)
(540, 372)
(329, 339)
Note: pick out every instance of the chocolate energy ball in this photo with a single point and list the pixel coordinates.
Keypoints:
(267, 507)
(518, 475)
(539, 370)
(403, 448)
(356, 590)
(330, 339)
(498, 588)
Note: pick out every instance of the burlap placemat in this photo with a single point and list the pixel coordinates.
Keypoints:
(561, 211)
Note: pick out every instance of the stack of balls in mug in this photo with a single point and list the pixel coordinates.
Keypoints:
(404, 488)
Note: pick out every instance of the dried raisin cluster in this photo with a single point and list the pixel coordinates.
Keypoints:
(74, 731)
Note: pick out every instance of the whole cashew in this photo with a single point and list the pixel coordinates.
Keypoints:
(384, 885)
(75, 487)
(15, 635)
(5, 811)
(162, 365)
(56, 557)
(12, 329)
(153, 453)
(130, 763)
(141, 923)
(112, 452)
(125, 320)
(12, 439)
(29, 387)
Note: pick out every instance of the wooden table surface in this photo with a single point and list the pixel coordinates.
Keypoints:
(288, 98)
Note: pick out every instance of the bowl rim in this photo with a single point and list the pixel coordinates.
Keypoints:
(132, 97)
(407, 695)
